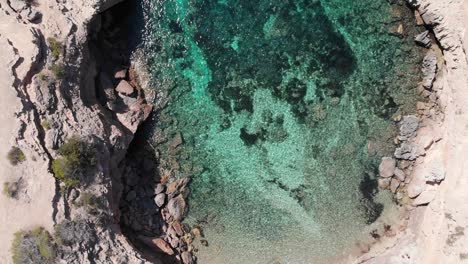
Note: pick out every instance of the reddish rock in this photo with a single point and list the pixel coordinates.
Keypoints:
(163, 246)
(178, 228)
(158, 244)
(124, 88)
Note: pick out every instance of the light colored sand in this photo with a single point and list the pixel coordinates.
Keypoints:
(34, 208)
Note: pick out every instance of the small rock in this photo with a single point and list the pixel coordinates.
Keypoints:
(159, 188)
(387, 167)
(429, 69)
(178, 228)
(400, 175)
(383, 183)
(408, 127)
(436, 173)
(124, 88)
(406, 151)
(423, 39)
(160, 199)
(204, 242)
(425, 198)
(121, 74)
(163, 246)
(174, 242)
(416, 186)
(176, 207)
(187, 258)
(196, 231)
(404, 164)
(131, 196)
(74, 195)
(394, 185)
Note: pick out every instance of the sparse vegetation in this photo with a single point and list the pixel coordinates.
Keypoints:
(453, 237)
(463, 256)
(42, 76)
(76, 159)
(55, 47)
(71, 232)
(58, 70)
(46, 124)
(16, 156)
(10, 189)
(35, 246)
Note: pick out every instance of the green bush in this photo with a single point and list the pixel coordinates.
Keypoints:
(76, 159)
(58, 70)
(35, 246)
(55, 47)
(16, 156)
(10, 189)
(46, 124)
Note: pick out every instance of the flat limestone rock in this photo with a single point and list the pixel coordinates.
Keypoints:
(425, 197)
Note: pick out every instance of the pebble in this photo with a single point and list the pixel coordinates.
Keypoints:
(160, 199)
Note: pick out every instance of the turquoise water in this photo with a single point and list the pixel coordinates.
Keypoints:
(285, 109)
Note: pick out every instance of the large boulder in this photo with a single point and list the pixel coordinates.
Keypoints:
(408, 127)
(387, 167)
(177, 207)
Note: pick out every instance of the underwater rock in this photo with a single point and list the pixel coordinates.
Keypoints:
(423, 39)
(159, 199)
(387, 167)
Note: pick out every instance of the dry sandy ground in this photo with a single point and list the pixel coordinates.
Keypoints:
(34, 206)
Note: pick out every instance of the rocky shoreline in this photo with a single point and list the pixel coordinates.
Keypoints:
(75, 78)
(423, 165)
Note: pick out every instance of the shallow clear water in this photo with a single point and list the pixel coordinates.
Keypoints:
(284, 108)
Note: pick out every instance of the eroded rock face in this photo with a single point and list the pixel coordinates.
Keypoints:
(57, 84)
